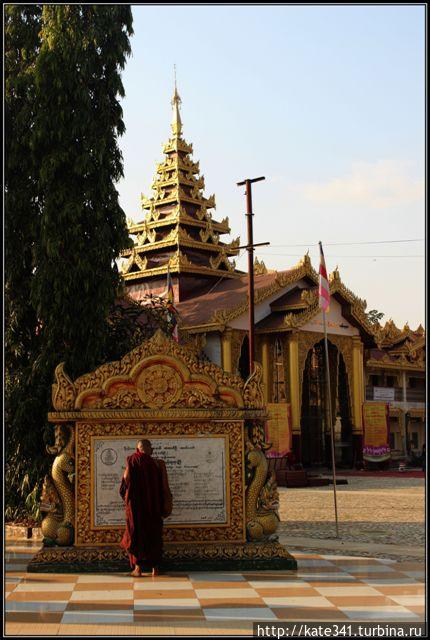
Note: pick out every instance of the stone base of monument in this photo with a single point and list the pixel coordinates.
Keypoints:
(270, 555)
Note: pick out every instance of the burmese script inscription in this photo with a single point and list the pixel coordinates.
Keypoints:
(196, 467)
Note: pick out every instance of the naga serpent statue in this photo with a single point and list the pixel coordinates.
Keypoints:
(57, 494)
(261, 498)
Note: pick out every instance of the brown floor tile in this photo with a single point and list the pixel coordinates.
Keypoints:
(308, 613)
(409, 566)
(219, 603)
(39, 596)
(358, 601)
(103, 586)
(32, 629)
(101, 606)
(140, 594)
(401, 590)
(169, 615)
(254, 577)
(91, 630)
(287, 591)
(418, 610)
(41, 617)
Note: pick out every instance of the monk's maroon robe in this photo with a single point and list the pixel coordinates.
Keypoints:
(143, 498)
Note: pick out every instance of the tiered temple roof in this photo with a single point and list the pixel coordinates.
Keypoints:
(178, 232)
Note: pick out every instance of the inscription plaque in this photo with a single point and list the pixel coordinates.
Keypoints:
(196, 466)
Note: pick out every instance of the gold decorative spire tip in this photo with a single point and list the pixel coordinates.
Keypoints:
(176, 120)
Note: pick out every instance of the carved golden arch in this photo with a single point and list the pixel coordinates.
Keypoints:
(159, 374)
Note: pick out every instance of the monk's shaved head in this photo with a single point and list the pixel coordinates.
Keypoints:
(145, 446)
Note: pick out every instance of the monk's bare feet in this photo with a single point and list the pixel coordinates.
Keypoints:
(136, 573)
(155, 572)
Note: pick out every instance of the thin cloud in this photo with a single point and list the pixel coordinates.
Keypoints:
(380, 185)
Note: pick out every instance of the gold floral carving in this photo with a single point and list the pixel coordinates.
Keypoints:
(259, 267)
(233, 531)
(159, 386)
(63, 390)
(253, 390)
(281, 280)
(224, 551)
(156, 374)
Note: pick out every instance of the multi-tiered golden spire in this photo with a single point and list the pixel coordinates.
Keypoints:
(178, 232)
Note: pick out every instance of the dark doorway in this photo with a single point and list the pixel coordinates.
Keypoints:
(315, 428)
(244, 359)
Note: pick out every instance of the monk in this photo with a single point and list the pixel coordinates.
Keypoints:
(146, 493)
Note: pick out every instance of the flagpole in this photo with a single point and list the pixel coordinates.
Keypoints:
(330, 417)
(333, 464)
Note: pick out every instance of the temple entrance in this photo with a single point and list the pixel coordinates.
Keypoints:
(315, 428)
(244, 359)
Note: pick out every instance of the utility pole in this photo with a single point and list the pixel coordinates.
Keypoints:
(250, 248)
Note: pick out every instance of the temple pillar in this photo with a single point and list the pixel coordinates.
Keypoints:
(357, 384)
(226, 339)
(265, 363)
(293, 366)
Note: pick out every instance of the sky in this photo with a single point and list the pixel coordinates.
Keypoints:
(326, 102)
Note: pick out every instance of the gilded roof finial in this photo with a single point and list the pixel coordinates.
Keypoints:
(176, 120)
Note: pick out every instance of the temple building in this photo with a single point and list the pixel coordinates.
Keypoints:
(368, 362)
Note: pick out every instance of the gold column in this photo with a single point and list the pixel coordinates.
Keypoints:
(357, 385)
(226, 350)
(293, 366)
(265, 362)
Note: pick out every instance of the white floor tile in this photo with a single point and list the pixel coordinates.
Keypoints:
(348, 591)
(45, 586)
(409, 601)
(297, 601)
(155, 604)
(161, 586)
(278, 584)
(367, 568)
(216, 577)
(87, 596)
(90, 578)
(57, 605)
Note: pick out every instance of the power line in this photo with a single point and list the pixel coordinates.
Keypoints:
(299, 255)
(335, 244)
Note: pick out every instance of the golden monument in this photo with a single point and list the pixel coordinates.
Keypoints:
(208, 425)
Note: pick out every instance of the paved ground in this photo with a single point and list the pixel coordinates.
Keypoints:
(325, 588)
(372, 512)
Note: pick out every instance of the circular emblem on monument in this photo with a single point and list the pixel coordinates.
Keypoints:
(109, 456)
(159, 386)
(210, 457)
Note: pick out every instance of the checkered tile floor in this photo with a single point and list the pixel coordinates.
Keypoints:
(325, 587)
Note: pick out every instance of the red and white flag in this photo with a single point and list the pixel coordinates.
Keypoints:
(324, 289)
